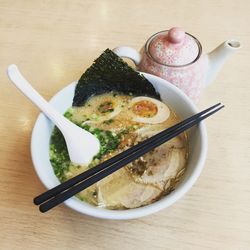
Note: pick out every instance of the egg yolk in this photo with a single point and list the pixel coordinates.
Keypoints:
(106, 107)
(145, 108)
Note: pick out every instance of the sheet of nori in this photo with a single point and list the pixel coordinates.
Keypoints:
(110, 73)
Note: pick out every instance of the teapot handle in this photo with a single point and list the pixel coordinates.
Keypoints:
(128, 52)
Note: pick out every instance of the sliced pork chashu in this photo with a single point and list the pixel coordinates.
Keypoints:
(120, 191)
(166, 166)
(161, 166)
(158, 167)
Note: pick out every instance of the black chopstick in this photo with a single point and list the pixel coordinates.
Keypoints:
(120, 163)
(64, 186)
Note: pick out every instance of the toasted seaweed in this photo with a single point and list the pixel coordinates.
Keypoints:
(110, 73)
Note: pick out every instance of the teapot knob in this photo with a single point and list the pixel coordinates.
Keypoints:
(175, 35)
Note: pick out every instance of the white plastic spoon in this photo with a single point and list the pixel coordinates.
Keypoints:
(82, 145)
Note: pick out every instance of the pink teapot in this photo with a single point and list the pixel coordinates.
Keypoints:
(177, 57)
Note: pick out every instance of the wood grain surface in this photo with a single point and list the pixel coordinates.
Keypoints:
(53, 42)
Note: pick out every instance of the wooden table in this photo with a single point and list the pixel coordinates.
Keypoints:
(53, 42)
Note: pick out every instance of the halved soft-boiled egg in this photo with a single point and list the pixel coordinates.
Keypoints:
(104, 108)
(148, 110)
(108, 109)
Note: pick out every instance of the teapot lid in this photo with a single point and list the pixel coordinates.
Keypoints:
(174, 47)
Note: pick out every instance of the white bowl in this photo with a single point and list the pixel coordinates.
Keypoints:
(169, 94)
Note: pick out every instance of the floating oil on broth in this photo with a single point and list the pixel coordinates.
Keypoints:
(119, 122)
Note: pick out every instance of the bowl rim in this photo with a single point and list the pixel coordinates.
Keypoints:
(133, 213)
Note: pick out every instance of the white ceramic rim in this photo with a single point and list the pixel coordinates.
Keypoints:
(165, 202)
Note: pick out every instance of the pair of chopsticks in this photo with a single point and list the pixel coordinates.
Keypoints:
(64, 191)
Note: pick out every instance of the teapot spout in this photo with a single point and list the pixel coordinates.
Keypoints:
(218, 56)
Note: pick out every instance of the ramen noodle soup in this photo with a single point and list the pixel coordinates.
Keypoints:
(120, 122)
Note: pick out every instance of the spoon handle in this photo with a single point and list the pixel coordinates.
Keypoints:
(77, 139)
(24, 86)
